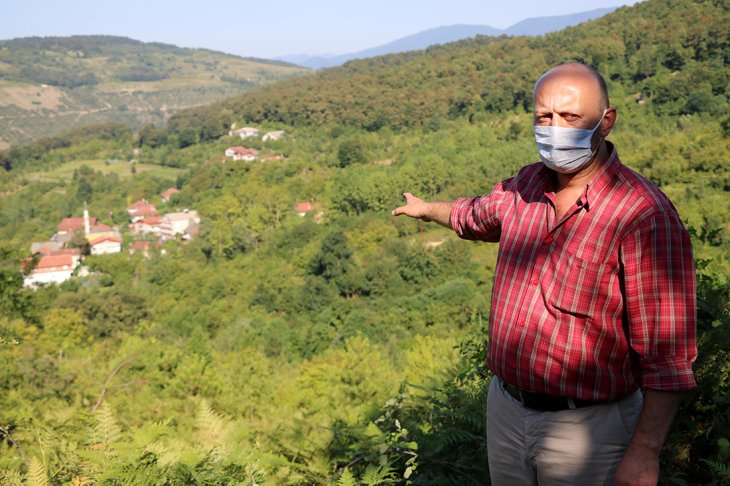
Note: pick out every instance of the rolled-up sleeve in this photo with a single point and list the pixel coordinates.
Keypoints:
(478, 218)
(660, 292)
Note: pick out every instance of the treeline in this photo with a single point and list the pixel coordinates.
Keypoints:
(670, 54)
(24, 156)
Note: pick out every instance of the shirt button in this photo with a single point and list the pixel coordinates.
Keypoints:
(535, 281)
(548, 239)
(521, 323)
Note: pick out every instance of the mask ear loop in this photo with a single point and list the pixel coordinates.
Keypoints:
(600, 139)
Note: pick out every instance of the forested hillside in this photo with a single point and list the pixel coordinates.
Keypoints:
(52, 83)
(343, 346)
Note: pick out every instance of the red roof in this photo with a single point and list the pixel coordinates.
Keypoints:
(243, 150)
(70, 225)
(113, 239)
(101, 227)
(140, 245)
(304, 207)
(150, 220)
(168, 193)
(51, 263)
(141, 208)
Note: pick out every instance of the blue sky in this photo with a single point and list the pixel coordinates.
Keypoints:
(270, 28)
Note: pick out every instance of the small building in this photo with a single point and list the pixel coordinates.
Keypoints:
(50, 269)
(303, 208)
(174, 224)
(75, 253)
(67, 226)
(246, 132)
(148, 225)
(168, 194)
(242, 153)
(140, 209)
(274, 135)
(105, 245)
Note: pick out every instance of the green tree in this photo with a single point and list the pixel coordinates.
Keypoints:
(351, 151)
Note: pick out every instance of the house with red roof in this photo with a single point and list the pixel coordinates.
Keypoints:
(168, 194)
(242, 153)
(105, 245)
(67, 226)
(147, 225)
(140, 209)
(50, 269)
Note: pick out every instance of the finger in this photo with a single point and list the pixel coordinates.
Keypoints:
(398, 211)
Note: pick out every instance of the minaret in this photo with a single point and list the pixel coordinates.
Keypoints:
(87, 230)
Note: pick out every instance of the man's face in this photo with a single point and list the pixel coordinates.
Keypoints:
(566, 101)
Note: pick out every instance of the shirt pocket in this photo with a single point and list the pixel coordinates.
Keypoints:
(578, 286)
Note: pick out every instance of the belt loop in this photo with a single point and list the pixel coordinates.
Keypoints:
(571, 403)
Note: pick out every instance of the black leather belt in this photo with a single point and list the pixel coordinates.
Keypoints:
(545, 402)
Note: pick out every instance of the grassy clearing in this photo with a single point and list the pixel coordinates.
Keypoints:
(121, 168)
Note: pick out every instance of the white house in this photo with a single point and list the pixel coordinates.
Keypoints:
(106, 245)
(51, 269)
(174, 224)
(275, 135)
(242, 153)
(246, 132)
(150, 224)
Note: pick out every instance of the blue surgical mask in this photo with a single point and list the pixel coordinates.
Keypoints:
(566, 150)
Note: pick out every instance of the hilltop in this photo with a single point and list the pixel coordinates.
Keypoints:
(669, 55)
(52, 83)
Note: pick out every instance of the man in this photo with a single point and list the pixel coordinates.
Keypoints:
(593, 300)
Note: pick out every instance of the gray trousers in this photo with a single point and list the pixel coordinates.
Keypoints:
(581, 446)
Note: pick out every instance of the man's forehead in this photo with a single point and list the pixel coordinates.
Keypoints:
(570, 76)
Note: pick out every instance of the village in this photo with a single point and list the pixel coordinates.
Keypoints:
(59, 259)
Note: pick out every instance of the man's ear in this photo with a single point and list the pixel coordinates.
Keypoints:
(608, 121)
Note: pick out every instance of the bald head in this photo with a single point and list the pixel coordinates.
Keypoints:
(589, 81)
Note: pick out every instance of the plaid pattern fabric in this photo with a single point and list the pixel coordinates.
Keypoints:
(597, 304)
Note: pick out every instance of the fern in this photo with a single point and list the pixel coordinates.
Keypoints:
(36, 473)
(11, 477)
(375, 476)
(213, 430)
(106, 432)
(722, 471)
(346, 478)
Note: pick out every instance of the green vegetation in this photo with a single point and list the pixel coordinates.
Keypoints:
(276, 349)
(48, 84)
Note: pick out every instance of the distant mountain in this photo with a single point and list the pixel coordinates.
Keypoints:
(543, 25)
(446, 34)
(48, 84)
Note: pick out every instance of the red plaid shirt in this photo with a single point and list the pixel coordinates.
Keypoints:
(597, 304)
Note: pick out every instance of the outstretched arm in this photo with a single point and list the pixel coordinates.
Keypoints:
(438, 212)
